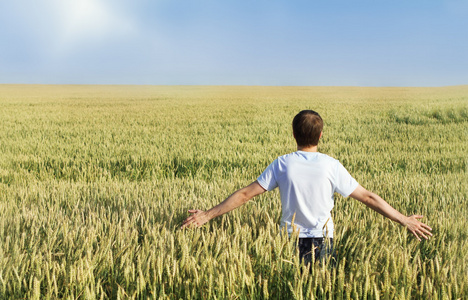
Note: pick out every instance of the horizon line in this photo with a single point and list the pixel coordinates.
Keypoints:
(230, 85)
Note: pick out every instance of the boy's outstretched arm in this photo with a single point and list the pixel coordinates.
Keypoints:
(199, 217)
(417, 228)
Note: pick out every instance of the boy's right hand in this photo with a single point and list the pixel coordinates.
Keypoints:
(197, 219)
(417, 228)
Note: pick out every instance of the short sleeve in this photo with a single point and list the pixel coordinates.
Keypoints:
(345, 184)
(268, 178)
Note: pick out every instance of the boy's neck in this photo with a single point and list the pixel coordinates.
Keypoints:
(307, 148)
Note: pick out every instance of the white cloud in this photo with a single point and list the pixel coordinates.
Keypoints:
(87, 23)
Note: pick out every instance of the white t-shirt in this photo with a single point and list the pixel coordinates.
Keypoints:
(307, 181)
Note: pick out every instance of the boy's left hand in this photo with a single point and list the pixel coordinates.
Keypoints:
(197, 219)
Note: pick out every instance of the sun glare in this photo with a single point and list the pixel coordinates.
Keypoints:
(86, 23)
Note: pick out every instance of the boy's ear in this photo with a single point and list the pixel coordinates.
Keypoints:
(321, 132)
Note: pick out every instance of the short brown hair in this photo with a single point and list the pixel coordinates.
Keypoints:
(307, 126)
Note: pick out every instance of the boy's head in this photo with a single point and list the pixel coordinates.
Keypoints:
(307, 128)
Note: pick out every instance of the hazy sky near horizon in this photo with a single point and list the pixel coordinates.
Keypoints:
(228, 42)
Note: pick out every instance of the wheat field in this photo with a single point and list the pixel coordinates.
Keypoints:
(96, 180)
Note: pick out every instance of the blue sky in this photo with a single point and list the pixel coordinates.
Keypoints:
(311, 43)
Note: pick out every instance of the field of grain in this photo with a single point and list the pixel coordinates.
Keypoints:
(96, 180)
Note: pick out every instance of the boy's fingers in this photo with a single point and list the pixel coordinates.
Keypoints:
(416, 235)
(187, 223)
(426, 226)
(193, 220)
(420, 229)
(426, 231)
(423, 235)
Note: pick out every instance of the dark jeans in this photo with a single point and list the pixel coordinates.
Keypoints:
(321, 248)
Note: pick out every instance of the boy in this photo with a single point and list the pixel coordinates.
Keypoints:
(307, 180)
